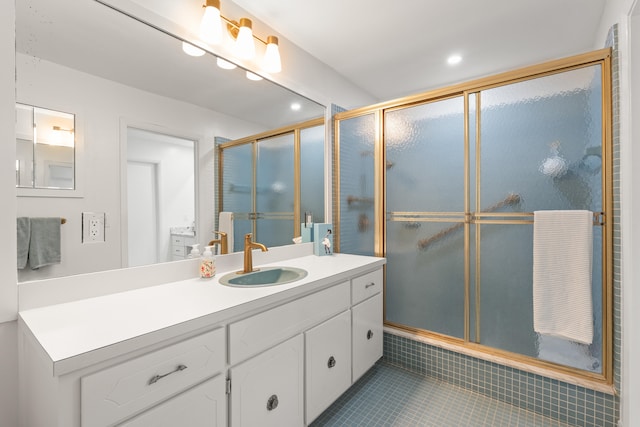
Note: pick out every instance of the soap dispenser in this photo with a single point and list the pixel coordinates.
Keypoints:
(207, 265)
(195, 252)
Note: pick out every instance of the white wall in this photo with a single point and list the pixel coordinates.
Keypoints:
(618, 12)
(102, 107)
(8, 289)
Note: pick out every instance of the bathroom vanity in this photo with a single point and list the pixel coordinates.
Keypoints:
(199, 353)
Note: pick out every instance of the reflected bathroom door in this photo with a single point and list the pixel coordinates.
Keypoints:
(142, 204)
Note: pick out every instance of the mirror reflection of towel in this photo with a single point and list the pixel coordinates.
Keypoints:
(44, 244)
(24, 235)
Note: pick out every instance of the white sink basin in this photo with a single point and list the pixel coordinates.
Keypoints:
(268, 276)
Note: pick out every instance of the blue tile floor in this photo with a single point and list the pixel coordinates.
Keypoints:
(391, 396)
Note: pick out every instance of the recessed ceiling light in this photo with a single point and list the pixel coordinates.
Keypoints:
(296, 106)
(454, 59)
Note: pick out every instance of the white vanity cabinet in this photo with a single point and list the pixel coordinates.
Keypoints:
(183, 377)
(201, 406)
(267, 390)
(328, 363)
(115, 393)
(367, 319)
(181, 246)
(271, 359)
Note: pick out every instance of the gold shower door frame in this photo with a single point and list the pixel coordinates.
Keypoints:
(476, 217)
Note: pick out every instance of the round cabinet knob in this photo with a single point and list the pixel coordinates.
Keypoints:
(369, 334)
(272, 403)
(332, 362)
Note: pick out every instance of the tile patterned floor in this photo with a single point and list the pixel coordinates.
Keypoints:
(391, 396)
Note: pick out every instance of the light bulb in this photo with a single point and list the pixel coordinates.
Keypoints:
(252, 76)
(245, 47)
(224, 64)
(211, 24)
(192, 50)
(272, 63)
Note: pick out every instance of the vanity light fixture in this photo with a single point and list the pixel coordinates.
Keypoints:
(211, 23)
(59, 129)
(245, 47)
(242, 33)
(271, 62)
(61, 137)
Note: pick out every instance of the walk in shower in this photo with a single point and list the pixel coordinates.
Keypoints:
(445, 185)
(270, 180)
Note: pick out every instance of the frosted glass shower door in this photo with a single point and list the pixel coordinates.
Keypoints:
(275, 190)
(357, 143)
(425, 231)
(540, 142)
(237, 190)
(312, 172)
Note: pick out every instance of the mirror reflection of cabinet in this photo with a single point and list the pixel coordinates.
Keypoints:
(45, 148)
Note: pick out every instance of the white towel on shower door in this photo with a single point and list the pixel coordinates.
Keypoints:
(225, 225)
(562, 258)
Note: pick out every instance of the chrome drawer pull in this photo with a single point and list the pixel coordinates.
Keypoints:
(157, 378)
(369, 285)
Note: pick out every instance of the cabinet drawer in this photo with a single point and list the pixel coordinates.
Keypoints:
(178, 250)
(121, 390)
(367, 334)
(254, 334)
(328, 363)
(204, 405)
(365, 286)
(178, 240)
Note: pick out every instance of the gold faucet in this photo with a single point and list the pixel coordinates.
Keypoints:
(248, 258)
(224, 246)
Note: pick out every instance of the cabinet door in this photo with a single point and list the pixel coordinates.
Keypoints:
(367, 334)
(267, 390)
(328, 363)
(201, 406)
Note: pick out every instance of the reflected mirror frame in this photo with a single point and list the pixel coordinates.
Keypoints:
(49, 133)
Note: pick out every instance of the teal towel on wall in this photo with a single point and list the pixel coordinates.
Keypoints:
(44, 245)
(24, 235)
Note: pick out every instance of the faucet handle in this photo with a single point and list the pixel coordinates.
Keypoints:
(224, 247)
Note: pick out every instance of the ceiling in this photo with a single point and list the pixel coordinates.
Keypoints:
(392, 49)
(388, 49)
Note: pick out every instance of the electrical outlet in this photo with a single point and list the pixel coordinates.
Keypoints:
(93, 227)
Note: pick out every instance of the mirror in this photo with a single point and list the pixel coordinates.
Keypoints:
(45, 155)
(116, 73)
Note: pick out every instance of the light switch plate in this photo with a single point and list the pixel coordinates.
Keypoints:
(93, 227)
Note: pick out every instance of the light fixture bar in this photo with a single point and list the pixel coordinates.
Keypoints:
(242, 32)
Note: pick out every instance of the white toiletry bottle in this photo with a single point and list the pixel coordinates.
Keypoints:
(207, 265)
(195, 252)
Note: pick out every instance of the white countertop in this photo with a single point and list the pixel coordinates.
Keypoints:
(79, 333)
